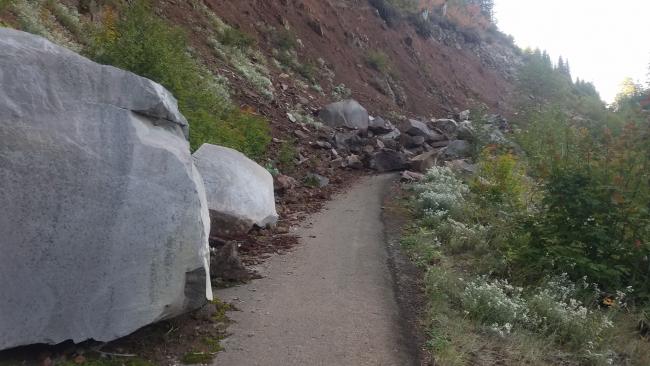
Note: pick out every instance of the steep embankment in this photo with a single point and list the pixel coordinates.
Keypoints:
(422, 76)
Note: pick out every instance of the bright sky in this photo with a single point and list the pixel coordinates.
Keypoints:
(605, 41)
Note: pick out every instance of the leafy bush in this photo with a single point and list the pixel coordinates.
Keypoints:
(501, 179)
(284, 40)
(142, 43)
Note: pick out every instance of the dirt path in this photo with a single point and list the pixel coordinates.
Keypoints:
(331, 301)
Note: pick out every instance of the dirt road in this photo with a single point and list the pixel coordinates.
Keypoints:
(331, 301)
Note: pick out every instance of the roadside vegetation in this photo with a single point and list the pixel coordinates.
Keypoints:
(541, 257)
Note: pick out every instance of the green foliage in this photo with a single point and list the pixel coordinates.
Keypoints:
(235, 38)
(284, 40)
(142, 43)
(378, 60)
(195, 358)
(4, 4)
(68, 18)
(502, 179)
(287, 156)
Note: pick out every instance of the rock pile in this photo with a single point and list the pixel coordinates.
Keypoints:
(376, 143)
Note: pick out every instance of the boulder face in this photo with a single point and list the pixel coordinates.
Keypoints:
(240, 192)
(104, 219)
(347, 113)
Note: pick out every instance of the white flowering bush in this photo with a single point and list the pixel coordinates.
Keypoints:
(440, 192)
(494, 302)
(461, 237)
(555, 311)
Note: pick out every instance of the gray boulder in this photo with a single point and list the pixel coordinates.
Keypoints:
(347, 113)
(240, 192)
(104, 220)
(387, 160)
(466, 131)
(458, 149)
(409, 141)
(380, 126)
(448, 126)
(416, 128)
(348, 141)
(424, 161)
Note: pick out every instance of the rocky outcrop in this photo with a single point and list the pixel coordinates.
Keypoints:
(347, 113)
(240, 192)
(104, 221)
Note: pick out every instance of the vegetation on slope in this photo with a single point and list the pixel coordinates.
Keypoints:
(132, 37)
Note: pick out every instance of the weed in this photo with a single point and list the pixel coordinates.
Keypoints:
(378, 60)
(341, 92)
(284, 40)
(287, 156)
(194, 358)
(232, 37)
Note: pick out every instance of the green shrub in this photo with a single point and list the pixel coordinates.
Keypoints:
(378, 60)
(142, 43)
(235, 38)
(287, 156)
(284, 40)
(4, 4)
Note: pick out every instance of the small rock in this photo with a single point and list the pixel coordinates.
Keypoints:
(409, 176)
(425, 161)
(301, 134)
(354, 162)
(284, 183)
(464, 115)
(316, 181)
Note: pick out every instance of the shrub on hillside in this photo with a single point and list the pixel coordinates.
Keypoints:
(233, 37)
(378, 60)
(142, 43)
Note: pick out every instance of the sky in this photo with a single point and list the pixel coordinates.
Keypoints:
(604, 41)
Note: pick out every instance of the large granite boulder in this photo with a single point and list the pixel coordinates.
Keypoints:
(240, 192)
(104, 220)
(347, 113)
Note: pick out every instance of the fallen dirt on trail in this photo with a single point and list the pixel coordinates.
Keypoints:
(329, 302)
